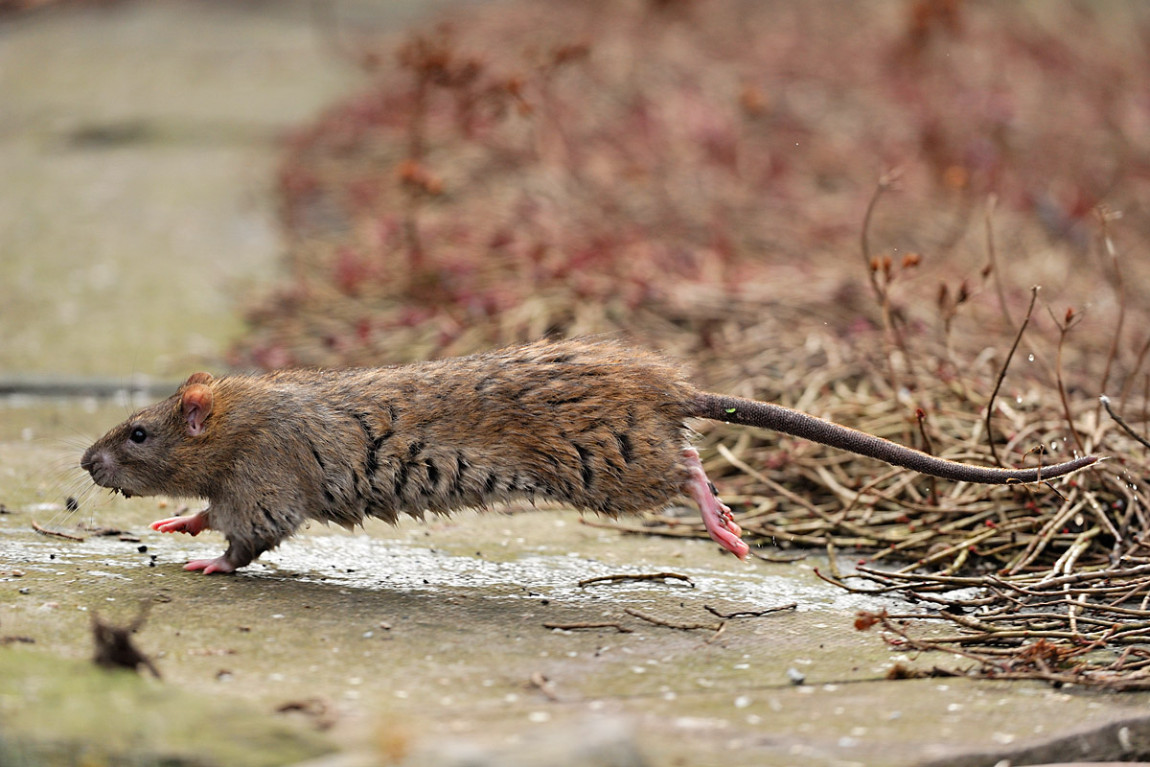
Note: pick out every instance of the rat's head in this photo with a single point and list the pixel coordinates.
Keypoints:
(159, 449)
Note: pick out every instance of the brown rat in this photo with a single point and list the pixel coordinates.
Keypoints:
(592, 424)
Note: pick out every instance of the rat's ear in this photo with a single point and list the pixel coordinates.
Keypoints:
(198, 378)
(196, 405)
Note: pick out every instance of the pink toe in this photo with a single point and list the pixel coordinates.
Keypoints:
(192, 525)
(732, 543)
(209, 566)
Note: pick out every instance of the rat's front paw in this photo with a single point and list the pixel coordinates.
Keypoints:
(193, 525)
(209, 566)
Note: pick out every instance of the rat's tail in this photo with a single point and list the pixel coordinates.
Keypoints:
(764, 415)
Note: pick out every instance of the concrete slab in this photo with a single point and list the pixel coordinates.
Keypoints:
(432, 638)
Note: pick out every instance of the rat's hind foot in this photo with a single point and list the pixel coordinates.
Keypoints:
(716, 516)
(193, 525)
(209, 566)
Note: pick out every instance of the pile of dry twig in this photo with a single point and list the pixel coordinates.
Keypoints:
(695, 176)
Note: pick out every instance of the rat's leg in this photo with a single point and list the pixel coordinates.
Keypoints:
(716, 516)
(195, 524)
(192, 525)
(241, 551)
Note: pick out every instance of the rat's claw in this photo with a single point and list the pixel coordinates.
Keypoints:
(730, 540)
(729, 524)
(209, 566)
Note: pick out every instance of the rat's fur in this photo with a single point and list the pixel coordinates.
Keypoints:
(592, 424)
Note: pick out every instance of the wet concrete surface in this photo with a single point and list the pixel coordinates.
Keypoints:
(138, 165)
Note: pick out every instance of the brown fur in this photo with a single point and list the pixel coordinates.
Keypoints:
(595, 425)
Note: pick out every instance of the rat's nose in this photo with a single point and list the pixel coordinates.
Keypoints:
(101, 467)
(94, 461)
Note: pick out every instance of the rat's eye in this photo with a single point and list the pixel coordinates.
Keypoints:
(138, 435)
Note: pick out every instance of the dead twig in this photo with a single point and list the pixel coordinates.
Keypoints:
(718, 633)
(56, 533)
(1118, 282)
(750, 613)
(544, 685)
(780, 559)
(623, 577)
(928, 448)
(1002, 374)
(992, 258)
(7, 640)
(1118, 420)
(114, 645)
(1063, 330)
(874, 266)
(669, 532)
(580, 626)
(672, 624)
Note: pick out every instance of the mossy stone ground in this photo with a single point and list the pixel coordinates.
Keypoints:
(409, 638)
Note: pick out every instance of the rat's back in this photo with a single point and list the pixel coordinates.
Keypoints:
(591, 424)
